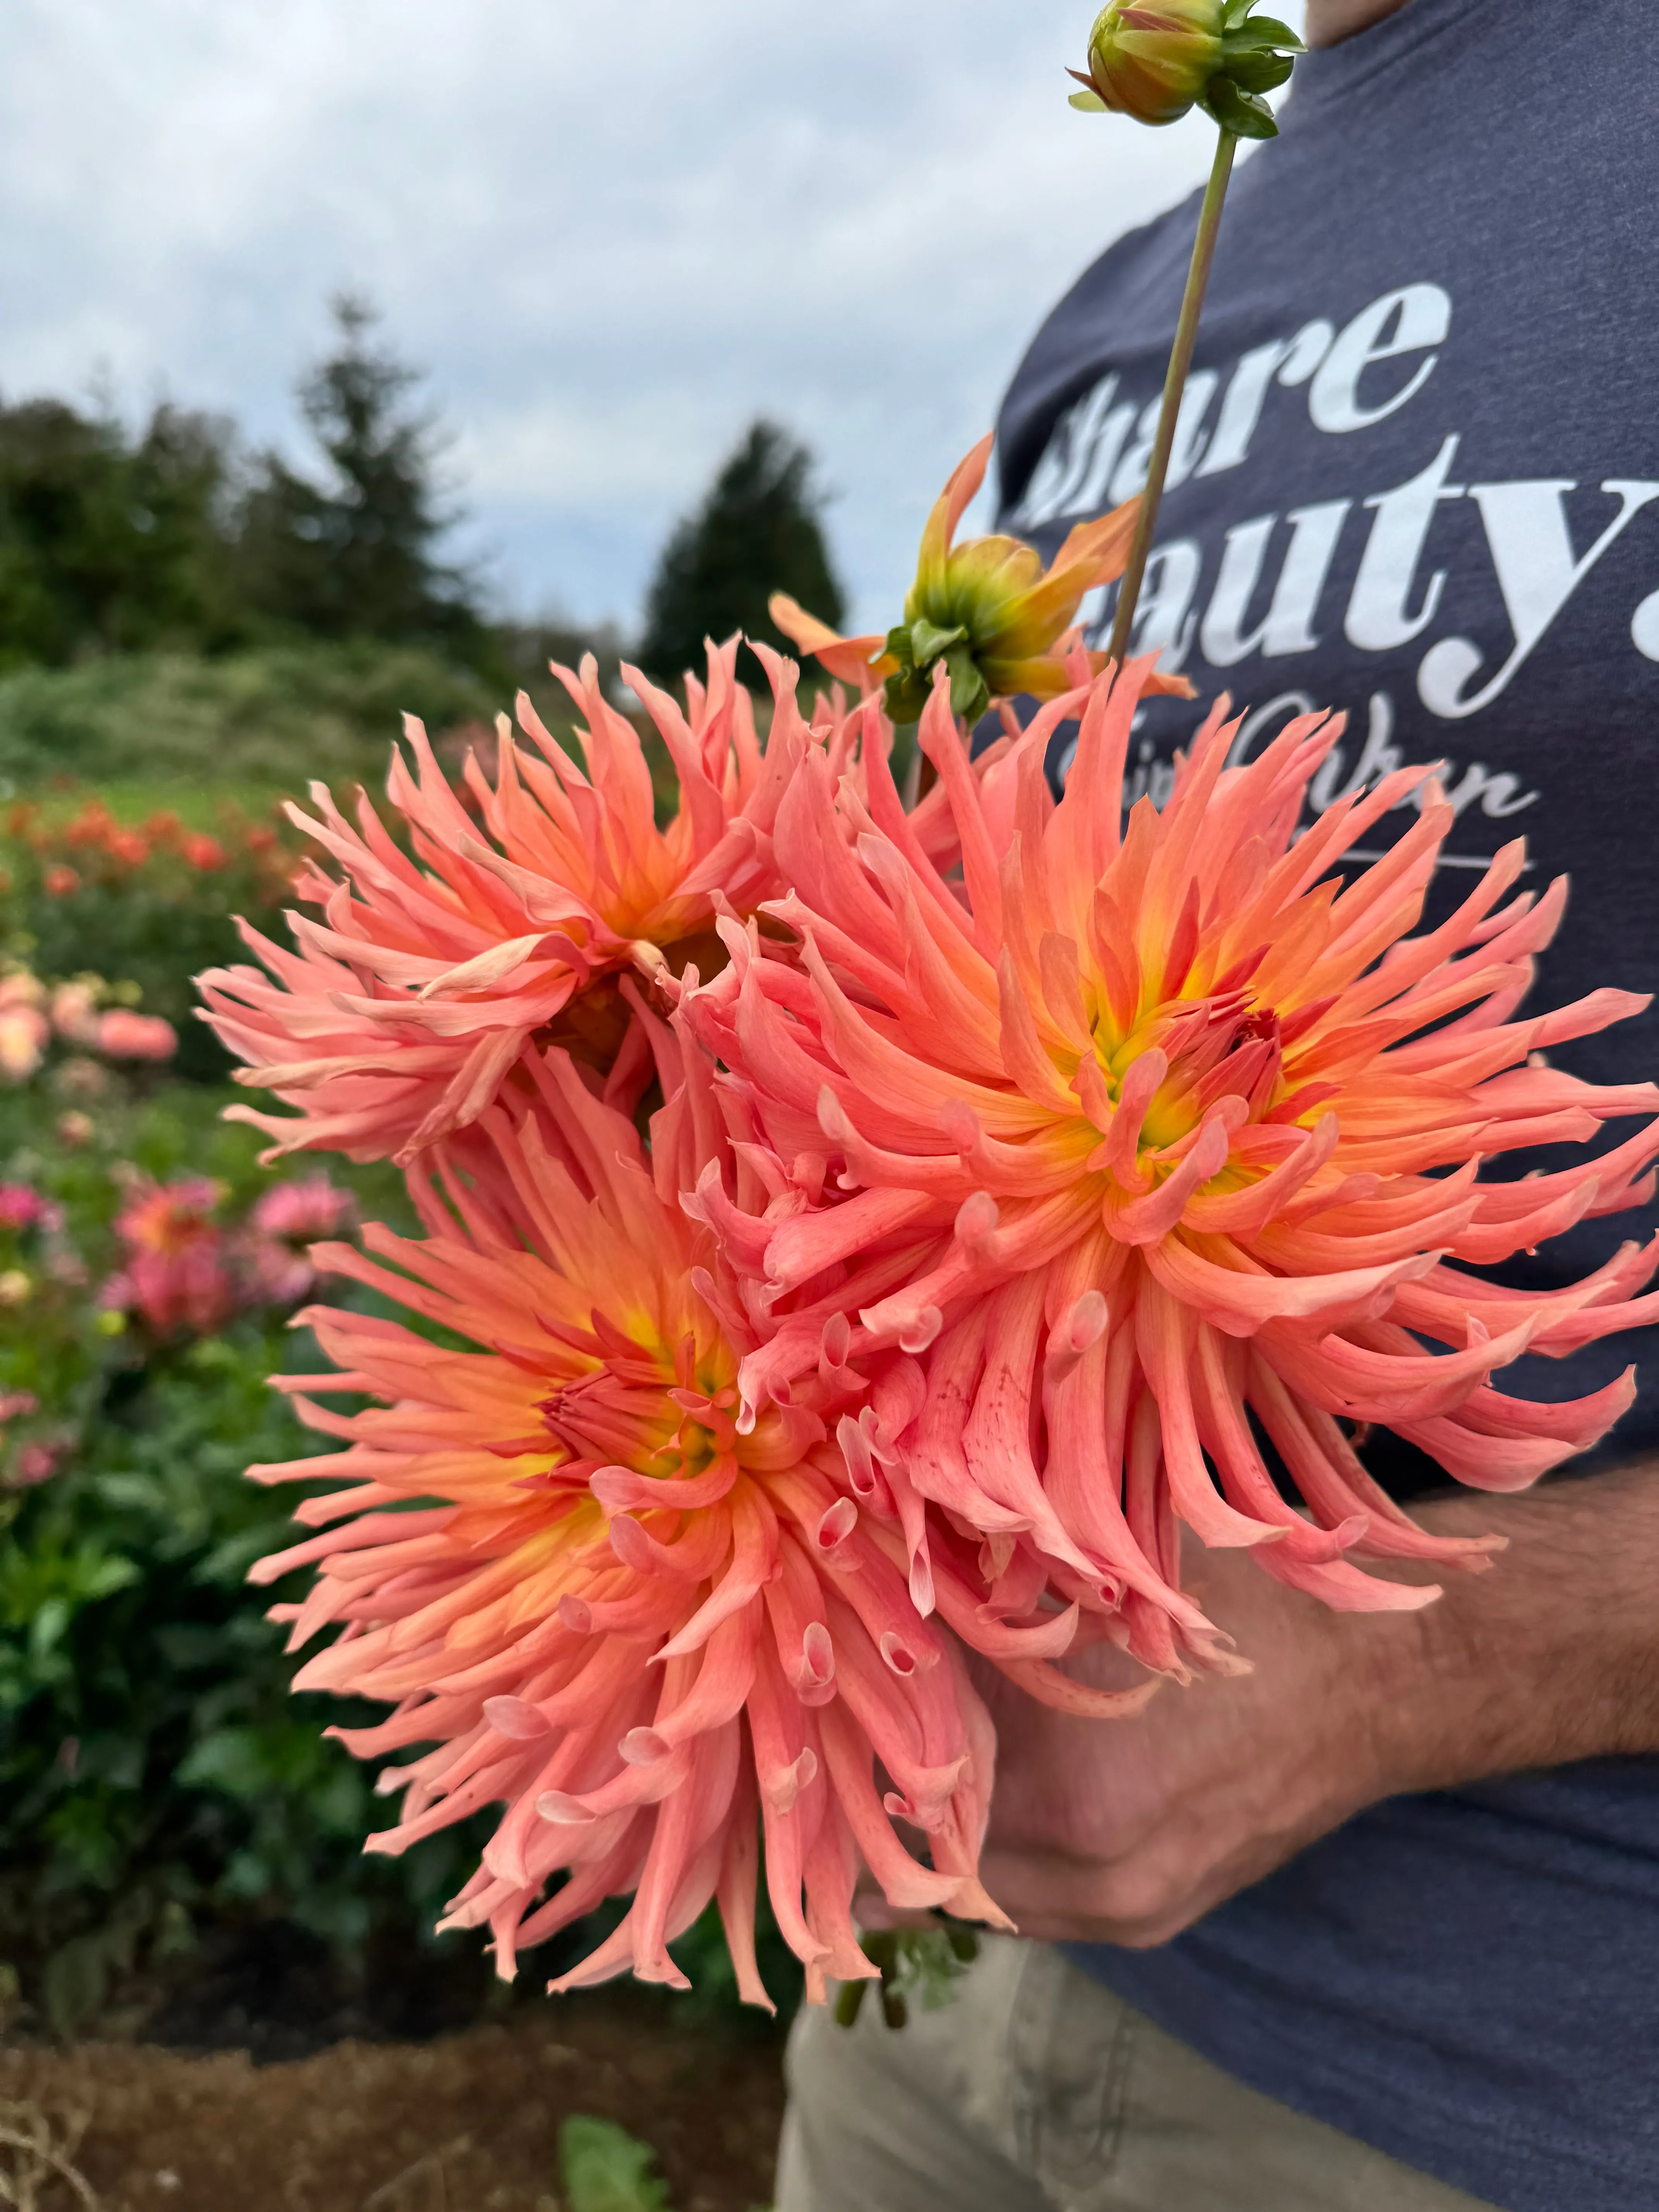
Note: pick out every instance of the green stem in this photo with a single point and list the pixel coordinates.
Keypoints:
(1181, 361)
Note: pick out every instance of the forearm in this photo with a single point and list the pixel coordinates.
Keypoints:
(1550, 1657)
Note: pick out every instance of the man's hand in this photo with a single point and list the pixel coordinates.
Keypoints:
(1128, 1832)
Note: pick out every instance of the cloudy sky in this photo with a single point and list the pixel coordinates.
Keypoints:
(610, 234)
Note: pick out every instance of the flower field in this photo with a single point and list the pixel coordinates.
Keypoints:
(163, 1794)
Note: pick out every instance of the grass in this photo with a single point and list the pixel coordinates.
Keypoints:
(261, 723)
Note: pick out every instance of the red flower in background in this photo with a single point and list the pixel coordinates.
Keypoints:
(23, 1208)
(176, 1274)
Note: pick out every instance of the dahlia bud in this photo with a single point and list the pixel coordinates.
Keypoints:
(1154, 59)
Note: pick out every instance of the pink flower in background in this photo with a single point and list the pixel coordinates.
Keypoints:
(409, 1005)
(60, 880)
(126, 1035)
(271, 1254)
(303, 1210)
(1136, 1139)
(176, 1273)
(24, 1028)
(202, 852)
(74, 1011)
(35, 1463)
(18, 1405)
(22, 1207)
(642, 1625)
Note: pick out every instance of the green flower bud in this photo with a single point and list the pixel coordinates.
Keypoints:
(1154, 59)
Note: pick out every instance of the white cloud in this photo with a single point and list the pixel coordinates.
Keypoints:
(612, 233)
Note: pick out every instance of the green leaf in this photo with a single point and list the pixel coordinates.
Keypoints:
(1260, 36)
(1242, 113)
(603, 2169)
(970, 695)
(76, 1983)
(231, 1760)
(1087, 103)
(928, 641)
(1260, 72)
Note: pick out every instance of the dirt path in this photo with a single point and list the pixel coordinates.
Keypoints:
(467, 2124)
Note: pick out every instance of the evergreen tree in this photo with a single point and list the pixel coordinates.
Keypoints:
(356, 556)
(108, 544)
(759, 530)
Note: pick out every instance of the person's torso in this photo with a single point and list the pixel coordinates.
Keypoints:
(1417, 479)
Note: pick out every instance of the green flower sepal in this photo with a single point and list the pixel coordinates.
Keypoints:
(919, 647)
(1156, 59)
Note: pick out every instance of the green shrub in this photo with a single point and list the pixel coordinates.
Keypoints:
(156, 1775)
(276, 717)
(158, 1779)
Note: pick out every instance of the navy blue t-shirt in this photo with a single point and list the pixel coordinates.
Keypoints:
(1418, 478)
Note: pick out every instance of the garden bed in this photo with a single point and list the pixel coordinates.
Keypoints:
(466, 2123)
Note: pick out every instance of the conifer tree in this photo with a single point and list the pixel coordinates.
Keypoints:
(759, 531)
(356, 554)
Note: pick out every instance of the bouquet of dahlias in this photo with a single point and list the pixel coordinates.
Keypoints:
(876, 1225)
(1007, 1168)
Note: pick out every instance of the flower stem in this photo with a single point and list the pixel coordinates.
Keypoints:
(1181, 361)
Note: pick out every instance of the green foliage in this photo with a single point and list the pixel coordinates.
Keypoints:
(155, 1774)
(174, 538)
(355, 556)
(276, 717)
(759, 530)
(602, 2168)
(107, 545)
(924, 1963)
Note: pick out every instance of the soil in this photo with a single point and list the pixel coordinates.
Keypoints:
(292, 2121)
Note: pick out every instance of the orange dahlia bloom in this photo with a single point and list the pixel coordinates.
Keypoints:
(986, 611)
(1142, 1136)
(646, 1625)
(407, 1005)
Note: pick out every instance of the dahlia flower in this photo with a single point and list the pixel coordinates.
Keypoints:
(986, 611)
(174, 1273)
(272, 1263)
(407, 1005)
(1154, 59)
(644, 1624)
(1150, 1139)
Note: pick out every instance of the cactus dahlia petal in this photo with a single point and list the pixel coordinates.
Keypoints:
(646, 1629)
(1147, 1142)
(410, 1000)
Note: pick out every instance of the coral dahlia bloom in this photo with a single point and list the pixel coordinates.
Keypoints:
(1147, 1141)
(985, 610)
(408, 1003)
(175, 1274)
(643, 1627)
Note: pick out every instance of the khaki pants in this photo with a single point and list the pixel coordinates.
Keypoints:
(1039, 2091)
